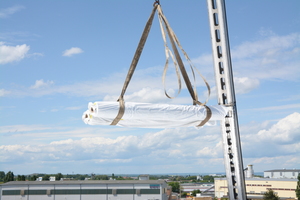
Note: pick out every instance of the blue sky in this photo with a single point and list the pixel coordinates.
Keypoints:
(56, 56)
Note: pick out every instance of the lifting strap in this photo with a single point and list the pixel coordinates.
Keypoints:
(173, 40)
(134, 62)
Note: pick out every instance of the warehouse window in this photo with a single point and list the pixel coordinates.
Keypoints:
(67, 191)
(150, 191)
(94, 191)
(125, 191)
(37, 192)
(11, 192)
(82, 191)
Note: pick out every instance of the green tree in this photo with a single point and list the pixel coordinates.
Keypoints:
(183, 195)
(2, 175)
(175, 186)
(297, 191)
(208, 178)
(46, 177)
(195, 192)
(81, 177)
(120, 178)
(19, 178)
(9, 177)
(33, 178)
(101, 177)
(58, 176)
(270, 195)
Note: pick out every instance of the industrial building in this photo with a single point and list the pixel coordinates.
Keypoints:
(85, 190)
(282, 173)
(256, 187)
(207, 189)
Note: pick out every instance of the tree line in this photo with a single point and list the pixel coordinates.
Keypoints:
(9, 176)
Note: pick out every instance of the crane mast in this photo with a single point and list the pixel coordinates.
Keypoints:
(226, 96)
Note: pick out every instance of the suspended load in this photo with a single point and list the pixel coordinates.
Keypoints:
(147, 115)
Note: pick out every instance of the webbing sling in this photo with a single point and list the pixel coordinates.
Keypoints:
(136, 57)
(134, 62)
(192, 90)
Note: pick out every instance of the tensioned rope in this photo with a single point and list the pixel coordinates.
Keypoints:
(164, 25)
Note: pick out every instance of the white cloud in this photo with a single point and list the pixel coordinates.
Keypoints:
(245, 84)
(155, 145)
(207, 152)
(22, 128)
(41, 84)
(112, 160)
(148, 94)
(281, 107)
(72, 51)
(146, 84)
(267, 47)
(3, 92)
(4, 13)
(273, 162)
(274, 57)
(12, 53)
(285, 131)
(108, 89)
(282, 138)
(268, 146)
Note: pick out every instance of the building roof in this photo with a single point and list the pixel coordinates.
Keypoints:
(265, 179)
(88, 182)
(283, 170)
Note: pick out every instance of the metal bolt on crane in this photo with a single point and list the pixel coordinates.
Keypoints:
(226, 96)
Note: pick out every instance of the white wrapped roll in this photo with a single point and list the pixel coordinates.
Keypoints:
(146, 115)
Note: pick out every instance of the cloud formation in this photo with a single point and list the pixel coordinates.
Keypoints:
(274, 57)
(245, 84)
(4, 13)
(282, 138)
(170, 146)
(12, 53)
(72, 51)
(3, 92)
(252, 64)
(41, 84)
(169, 142)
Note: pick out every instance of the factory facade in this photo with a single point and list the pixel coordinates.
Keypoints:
(84, 190)
(282, 173)
(256, 187)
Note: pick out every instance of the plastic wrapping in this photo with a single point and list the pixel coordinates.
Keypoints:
(146, 115)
